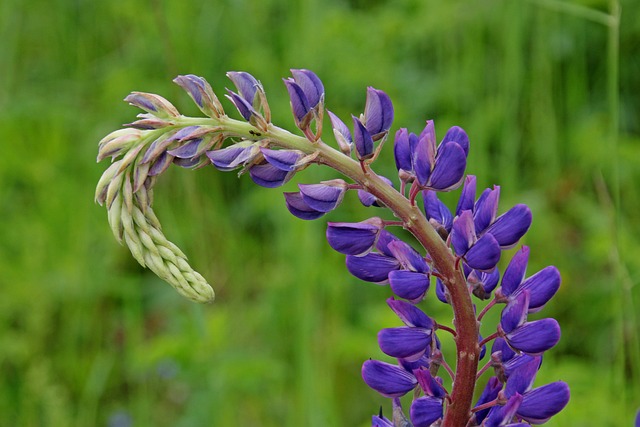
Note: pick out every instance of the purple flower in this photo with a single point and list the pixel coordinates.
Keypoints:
(306, 94)
(269, 176)
(440, 168)
(354, 238)
(489, 393)
(387, 379)
(363, 140)
(234, 156)
(378, 113)
(411, 341)
(200, 91)
(299, 208)
(480, 253)
(542, 286)
(368, 199)
(249, 98)
(380, 421)
(427, 409)
(341, 133)
(373, 267)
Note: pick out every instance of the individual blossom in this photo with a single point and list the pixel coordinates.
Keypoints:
(341, 133)
(354, 238)
(428, 409)
(200, 91)
(306, 93)
(542, 286)
(411, 341)
(249, 99)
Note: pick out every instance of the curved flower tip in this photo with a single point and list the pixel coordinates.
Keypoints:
(380, 421)
(543, 286)
(373, 267)
(486, 208)
(387, 379)
(410, 315)
(378, 113)
(515, 313)
(363, 140)
(450, 164)
(297, 206)
(501, 415)
(354, 238)
(299, 103)
(324, 197)
(408, 257)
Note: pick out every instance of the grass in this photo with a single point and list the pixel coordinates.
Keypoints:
(545, 89)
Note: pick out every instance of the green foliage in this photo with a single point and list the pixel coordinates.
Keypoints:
(85, 333)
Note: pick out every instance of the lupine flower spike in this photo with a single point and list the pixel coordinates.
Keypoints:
(460, 247)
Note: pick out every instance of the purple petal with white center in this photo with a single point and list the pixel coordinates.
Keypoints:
(535, 337)
(486, 208)
(299, 103)
(542, 286)
(448, 171)
(459, 136)
(509, 227)
(503, 414)
(402, 150)
(404, 342)
(515, 271)
(243, 106)
(521, 379)
(426, 410)
(515, 312)
(384, 240)
(323, 197)
(484, 254)
(387, 379)
(188, 150)
(341, 133)
(363, 140)
(285, 160)
(246, 84)
(410, 314)
(269, 176)
(353, 238)
(299, 208)
(409, 285)
(436, 211)
(468, 195)
(229, 158)
(463, 234)
(408, 257)
(430, 385)
(310, 84)
(373, 267)
(489, 393)
(542, 403)
(378, 112)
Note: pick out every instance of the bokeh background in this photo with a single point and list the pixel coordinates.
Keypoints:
(547, 90)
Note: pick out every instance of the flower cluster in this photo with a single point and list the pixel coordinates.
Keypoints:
(459, 253)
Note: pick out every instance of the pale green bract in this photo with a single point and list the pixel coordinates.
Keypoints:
(126, 189)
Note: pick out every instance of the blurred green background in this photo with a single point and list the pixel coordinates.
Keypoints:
(547, 90)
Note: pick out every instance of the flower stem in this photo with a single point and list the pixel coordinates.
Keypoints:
(466, 339)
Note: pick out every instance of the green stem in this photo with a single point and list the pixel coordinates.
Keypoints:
(414, 221)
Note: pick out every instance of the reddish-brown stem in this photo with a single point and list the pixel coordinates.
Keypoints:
(446, 328)
(491, 337)
(486, 309)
